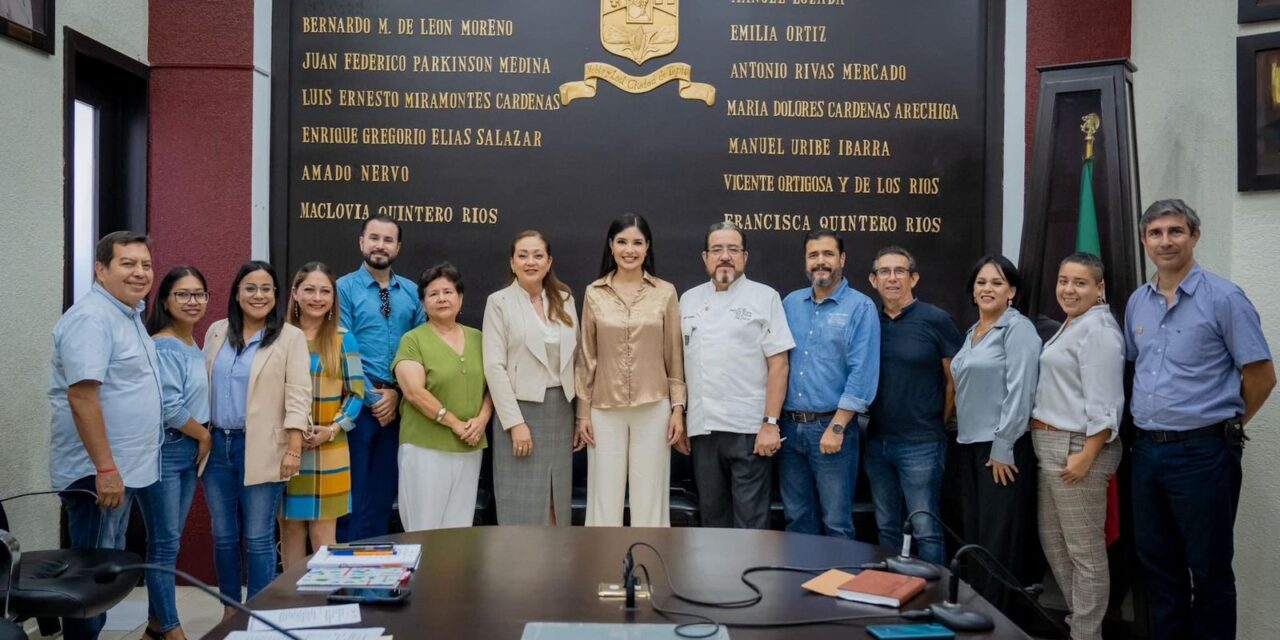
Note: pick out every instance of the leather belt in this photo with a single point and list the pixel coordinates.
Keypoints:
(382, 385)
(1211, 431)
(1037, 425)
(808, 416)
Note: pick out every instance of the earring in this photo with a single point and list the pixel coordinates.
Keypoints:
(297, 311)
(330, 316)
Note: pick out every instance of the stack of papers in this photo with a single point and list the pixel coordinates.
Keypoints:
(324, 580)
(406, 556)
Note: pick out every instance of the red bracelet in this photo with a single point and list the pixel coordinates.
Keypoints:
(103, 472)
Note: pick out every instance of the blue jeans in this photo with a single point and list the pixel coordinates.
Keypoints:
(164, 510)
(235, 511)
(817, 488)
(907, 477)
(92, 527)
(375, 477)
(1185, 496)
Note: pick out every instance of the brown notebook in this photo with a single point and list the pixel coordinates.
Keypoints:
(878, 587)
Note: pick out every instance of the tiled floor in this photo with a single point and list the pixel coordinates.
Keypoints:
(198, 611)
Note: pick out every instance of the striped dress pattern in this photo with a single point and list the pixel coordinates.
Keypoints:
(322, 488)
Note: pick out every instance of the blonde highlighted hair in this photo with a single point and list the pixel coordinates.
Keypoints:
(328, 342)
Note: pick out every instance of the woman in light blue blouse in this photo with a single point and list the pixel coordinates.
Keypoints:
(995, 376)
(180, 303)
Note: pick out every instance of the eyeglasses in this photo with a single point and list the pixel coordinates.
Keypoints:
(733, 250)
(253, 289)
(184, 297)
(898, 271)
(385, 296)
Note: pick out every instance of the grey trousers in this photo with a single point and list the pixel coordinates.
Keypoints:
(733, 483)
(1072, 527)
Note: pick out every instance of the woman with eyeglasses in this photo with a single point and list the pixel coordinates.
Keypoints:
(181, 302)
(321, 492)
(260, 383)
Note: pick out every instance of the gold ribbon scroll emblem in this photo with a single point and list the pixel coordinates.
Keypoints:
(679, 71)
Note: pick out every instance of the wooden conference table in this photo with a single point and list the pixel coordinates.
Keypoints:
(487, 582)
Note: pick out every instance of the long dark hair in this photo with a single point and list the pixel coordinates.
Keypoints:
(159, 318)
(626, 221)
(235, 315)
(556, 290)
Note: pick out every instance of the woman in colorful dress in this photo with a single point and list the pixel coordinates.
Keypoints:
(321, 492)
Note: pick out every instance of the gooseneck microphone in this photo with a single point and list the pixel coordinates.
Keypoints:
(629, 579)
(950, 613)
(904, 563)
(107, 572)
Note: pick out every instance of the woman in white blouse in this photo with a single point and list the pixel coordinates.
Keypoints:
(1073, 427)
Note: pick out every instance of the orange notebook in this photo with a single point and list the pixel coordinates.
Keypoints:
(878, 587)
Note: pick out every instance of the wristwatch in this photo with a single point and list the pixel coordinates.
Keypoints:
(771, 420)
(440, 414)
(837, 428)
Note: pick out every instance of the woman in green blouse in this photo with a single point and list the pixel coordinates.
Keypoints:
(445, 409)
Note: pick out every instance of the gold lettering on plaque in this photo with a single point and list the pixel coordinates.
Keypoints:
(639, 30)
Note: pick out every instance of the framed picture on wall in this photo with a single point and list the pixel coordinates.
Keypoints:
(1258, 10)
(1258, 112)
(28, 21)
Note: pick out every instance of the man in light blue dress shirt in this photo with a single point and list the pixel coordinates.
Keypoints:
(1202, 370)
(105, 394)
(378, 307)
(835, 368)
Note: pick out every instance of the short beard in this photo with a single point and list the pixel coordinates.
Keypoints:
(821, 282)
(724, 279)
(369, 260)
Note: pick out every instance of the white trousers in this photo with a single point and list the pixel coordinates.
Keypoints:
(437, 488)
(631, 448)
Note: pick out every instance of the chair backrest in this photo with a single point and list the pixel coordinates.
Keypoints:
(4, 520)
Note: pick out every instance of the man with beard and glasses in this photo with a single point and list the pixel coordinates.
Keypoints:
(378, 307)
(735, 361)
(835, 368)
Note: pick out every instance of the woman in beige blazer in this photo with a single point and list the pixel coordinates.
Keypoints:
(530, 332)
(260, 396)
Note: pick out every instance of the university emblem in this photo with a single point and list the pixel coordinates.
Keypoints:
(639, 30)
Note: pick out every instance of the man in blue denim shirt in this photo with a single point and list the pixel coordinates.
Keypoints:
(378, 308)
(1202, 370)
(835, 367)
(104, 390)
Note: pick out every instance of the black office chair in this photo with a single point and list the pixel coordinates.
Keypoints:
(61, 583)
(11, 631)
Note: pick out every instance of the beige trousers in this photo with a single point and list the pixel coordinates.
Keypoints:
(631, 449)
(1072, 527)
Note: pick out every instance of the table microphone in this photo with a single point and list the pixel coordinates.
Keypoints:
(629, 579)
(950, 613)
(904, 563)
(106, 573)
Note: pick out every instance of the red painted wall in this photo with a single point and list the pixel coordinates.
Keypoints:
(1062, 31)
(199, 205)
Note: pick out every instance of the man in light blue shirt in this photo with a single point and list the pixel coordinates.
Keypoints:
(105, 394)
(1202, 369)
(835, 367)
(378, 308)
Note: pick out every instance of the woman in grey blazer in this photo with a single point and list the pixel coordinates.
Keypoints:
(530, 333)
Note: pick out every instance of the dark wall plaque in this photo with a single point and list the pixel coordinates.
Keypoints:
(470, 121)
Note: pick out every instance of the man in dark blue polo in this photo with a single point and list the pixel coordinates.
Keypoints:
(1202, 370)
(378, 307)
(906, 448)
